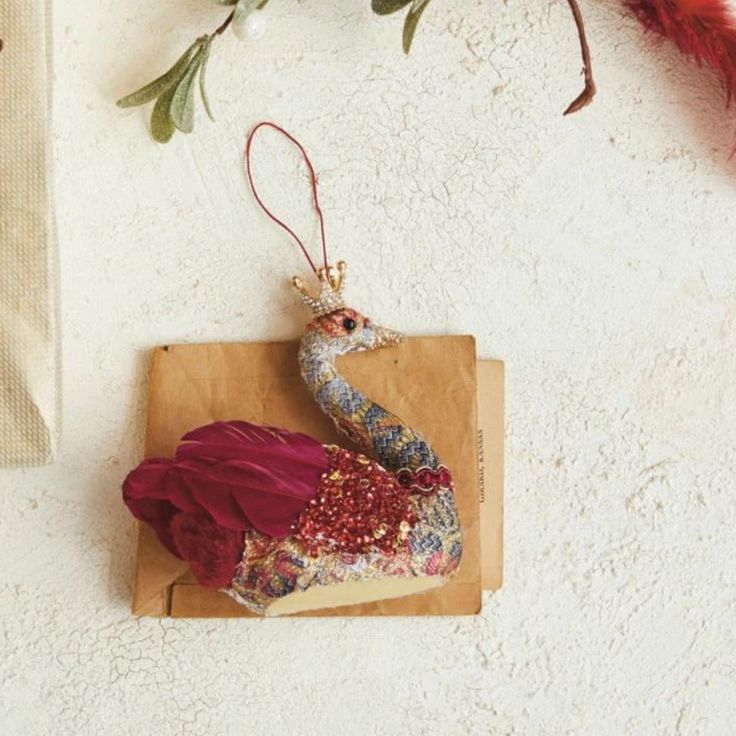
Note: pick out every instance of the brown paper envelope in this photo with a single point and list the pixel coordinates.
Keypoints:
(429, 382)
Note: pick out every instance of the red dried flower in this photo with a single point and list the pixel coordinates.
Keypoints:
(702, 29)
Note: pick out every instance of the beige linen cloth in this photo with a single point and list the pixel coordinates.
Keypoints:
(28, 343)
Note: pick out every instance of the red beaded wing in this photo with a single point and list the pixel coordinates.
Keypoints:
(359, 507)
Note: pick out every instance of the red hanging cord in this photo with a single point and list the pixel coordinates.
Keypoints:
(313, 179)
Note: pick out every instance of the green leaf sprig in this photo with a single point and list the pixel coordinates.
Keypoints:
(386, 7)
(174, 92)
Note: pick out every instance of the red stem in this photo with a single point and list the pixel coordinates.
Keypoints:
(588, 93)
(221, 29)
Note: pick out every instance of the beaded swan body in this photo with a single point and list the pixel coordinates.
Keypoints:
(282, 523)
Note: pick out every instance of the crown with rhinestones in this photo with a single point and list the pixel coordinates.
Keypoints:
(329, 299)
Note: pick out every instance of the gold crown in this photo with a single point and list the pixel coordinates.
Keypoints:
(330, 299)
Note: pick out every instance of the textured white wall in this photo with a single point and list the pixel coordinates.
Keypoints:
(594, 254)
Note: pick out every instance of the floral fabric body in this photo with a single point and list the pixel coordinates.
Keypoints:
(363, 524)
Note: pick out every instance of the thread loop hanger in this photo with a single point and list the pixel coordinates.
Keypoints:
(313, 183)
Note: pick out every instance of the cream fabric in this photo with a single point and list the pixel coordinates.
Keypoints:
(28, 346)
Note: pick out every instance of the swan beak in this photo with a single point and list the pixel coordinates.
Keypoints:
(384, 338)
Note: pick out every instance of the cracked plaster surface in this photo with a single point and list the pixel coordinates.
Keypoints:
(595, 254)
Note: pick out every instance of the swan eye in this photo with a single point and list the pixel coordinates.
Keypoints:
(349, 324)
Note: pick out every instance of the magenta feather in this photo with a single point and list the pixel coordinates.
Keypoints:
(238, 474)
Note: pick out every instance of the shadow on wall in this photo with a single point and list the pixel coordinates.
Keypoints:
(111, 528)
(695, 94)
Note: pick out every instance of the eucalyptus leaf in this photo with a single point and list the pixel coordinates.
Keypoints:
(386, 7)
(162, 129)
(181, 110)
(155, 88)
(202, 80)
(412, 19)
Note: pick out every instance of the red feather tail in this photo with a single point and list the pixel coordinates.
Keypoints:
(226, 477)
(702, 29)
(211, 551)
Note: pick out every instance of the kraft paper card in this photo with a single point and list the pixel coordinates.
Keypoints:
(491, 432)
(430, 382)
